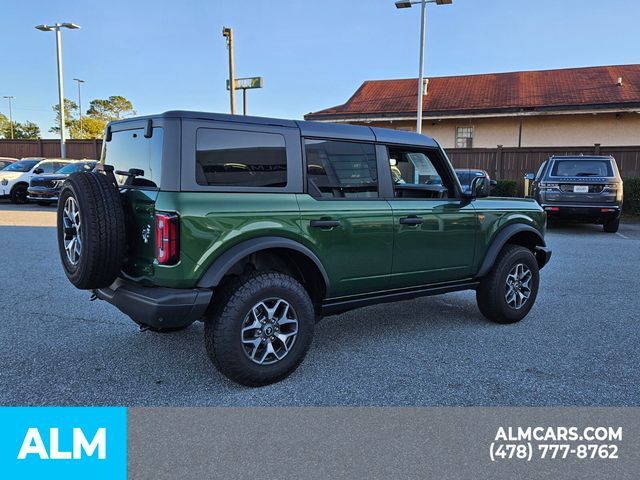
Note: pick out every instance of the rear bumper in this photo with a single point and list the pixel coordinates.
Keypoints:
(157, 307)
(582, 212)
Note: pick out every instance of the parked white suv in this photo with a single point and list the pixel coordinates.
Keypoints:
(14, 179)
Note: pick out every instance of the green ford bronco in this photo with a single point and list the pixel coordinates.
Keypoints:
(259, 227)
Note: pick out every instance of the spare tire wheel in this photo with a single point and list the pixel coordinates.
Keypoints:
(91, 230)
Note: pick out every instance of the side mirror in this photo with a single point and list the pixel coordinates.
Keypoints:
(476, 189)
(38, 170)
(493, 183)
(529, 176)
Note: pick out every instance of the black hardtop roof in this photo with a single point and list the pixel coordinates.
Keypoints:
(308, 129)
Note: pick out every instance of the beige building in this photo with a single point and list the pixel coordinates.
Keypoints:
(569, 107)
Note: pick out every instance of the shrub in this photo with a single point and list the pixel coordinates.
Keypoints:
(505, 188)
(632, 195)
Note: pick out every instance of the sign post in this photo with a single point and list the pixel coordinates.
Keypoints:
(245, 84)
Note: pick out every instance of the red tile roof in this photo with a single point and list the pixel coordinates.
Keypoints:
(572, 88)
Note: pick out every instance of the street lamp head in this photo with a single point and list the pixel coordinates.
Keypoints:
(78, 80)
(444, 2)
(403, 4)
(44, 28)
(75, 26)
(226, 32)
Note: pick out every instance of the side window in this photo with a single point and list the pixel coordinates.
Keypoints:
(464, 137)
(47, 167)
(419, 174)
(240, 159)
(337, 169)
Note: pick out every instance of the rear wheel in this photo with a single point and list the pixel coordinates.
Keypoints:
(508, 292)
(261, 330)
(19, 194)
(611, 226)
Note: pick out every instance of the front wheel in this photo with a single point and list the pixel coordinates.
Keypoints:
(19, 194)
(509, 291)
(261, 329)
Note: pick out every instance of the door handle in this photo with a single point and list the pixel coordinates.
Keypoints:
(325, 223)
(411, 221)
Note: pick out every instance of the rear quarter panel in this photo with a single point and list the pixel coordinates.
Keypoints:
(213, 222)
(494, 214)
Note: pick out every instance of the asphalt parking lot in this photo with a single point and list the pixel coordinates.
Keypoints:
(580, 345)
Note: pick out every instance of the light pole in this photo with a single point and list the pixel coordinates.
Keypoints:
(56, 28)
(80, 106)
(228, 34)
(423, 26)
(10, 97)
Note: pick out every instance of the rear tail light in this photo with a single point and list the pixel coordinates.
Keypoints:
(167, 238)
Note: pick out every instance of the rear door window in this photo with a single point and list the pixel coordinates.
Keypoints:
(129, 149)
(337, 169)
(240, 158)
(582, 168)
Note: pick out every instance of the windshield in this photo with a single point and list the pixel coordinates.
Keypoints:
(582, 168)
(77, 167)
(21, 166)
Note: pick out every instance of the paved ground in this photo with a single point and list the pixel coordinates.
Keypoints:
(579, 346)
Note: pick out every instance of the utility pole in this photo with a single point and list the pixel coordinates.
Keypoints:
(80, 106)
(228, 34)
(10, 97)
(56, 28)
(423, 27)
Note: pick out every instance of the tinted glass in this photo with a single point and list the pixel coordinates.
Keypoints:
(47, 167)
(240, 159)
(130, 149)
(21, 166)
(341, 169)
(77, 167)
(582, 168)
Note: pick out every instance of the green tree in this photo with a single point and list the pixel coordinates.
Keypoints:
(70, 111)
(115, 107)
(91, 128)
(27, 130)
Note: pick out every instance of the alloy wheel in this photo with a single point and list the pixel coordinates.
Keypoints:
(269, 331)
(518, 286)
(72, 229)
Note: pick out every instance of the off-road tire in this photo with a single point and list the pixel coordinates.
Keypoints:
(222, 331)
(490, 294)
(611, 226)
(102, 234)
(19, 194)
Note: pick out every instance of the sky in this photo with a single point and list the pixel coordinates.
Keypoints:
(166, 55)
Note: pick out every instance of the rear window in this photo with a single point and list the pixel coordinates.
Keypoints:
(240, 158)
(130, 149)
(582, 168)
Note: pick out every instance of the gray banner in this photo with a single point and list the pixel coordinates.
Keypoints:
(384, 443)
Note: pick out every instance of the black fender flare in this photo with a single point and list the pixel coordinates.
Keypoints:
(501, 239)
(221, 265)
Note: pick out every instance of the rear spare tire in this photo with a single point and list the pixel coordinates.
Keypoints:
(91, 230)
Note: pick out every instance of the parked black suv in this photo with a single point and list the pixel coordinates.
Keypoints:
(45, 188)
(580, 188)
